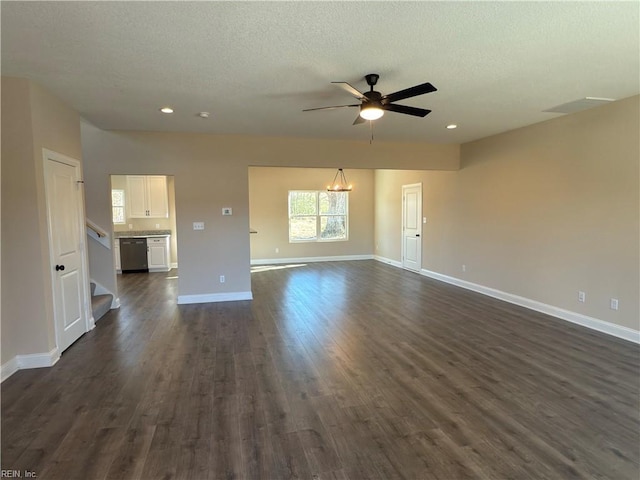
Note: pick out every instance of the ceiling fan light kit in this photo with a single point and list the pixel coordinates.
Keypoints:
(373, 104)
(371, 112)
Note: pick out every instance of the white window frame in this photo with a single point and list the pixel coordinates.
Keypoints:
(319, 216)
(123, 207)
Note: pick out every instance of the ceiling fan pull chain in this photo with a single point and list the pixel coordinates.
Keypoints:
(371, 129)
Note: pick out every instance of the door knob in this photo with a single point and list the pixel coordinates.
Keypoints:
(59, 268)
(417, 234)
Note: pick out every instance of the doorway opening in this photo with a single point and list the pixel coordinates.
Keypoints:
(144, 212)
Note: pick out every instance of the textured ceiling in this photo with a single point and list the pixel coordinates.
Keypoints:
(256, 65)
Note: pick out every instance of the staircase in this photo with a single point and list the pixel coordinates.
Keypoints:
(100, 304)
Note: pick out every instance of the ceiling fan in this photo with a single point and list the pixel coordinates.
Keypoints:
(374, 104)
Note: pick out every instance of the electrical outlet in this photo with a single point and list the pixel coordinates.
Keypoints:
(614, 304)
(582, 296)
(130, 226)
(277, 250)
(464, 268)
(157, 225)
(222, 279)
(424, 219)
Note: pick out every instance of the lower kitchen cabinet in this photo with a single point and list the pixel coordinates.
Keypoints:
(158, 254)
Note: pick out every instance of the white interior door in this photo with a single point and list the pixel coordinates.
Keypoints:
(412, 227)
(65, 216)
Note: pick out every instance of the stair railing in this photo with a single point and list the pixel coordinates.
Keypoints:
(98, 233)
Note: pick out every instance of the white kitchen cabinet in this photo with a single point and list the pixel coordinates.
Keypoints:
(147, 196)
(158, 254)
(116, 255)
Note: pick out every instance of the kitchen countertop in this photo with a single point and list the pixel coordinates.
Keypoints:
(141, 233)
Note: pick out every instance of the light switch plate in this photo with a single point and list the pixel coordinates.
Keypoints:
(227, 211)
(198, 225)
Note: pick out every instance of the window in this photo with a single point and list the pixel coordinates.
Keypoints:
(318, 216)
(117, 206)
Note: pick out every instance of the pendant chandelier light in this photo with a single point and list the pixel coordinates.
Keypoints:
(339, 183)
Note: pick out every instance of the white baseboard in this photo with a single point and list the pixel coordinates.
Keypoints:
(33, 360)
(573, 317)
(214, 297)
(593, 323)
(337, 258)
(395, 263)
(9, 369)
(115, 303)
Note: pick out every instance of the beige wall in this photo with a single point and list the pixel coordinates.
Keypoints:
(268, 205)
(169, 223)
(211, 172)
(540, 212)
(32, 119)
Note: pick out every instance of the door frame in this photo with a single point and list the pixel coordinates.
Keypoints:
(402, 241)
(51, 156)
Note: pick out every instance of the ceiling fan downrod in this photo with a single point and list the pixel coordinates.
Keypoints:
(372, 79)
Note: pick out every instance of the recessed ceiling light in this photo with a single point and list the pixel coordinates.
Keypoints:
(452, 126)
(203, 114)
(166, 110)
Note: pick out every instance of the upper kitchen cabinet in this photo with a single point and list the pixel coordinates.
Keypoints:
(147, 196)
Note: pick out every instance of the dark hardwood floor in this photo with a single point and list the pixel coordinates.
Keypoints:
(354, 370)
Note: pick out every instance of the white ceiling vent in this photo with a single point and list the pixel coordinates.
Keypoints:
(578, 105)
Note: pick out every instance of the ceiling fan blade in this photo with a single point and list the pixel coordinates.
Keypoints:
(409, 92)
(352, 90)
(359, 120)
(330, 108)
(416, 112)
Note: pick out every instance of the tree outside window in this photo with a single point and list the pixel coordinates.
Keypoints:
(316, 216)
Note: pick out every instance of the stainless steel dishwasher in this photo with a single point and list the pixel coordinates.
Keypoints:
(133, 255)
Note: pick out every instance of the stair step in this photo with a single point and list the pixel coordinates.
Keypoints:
(100, 305)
